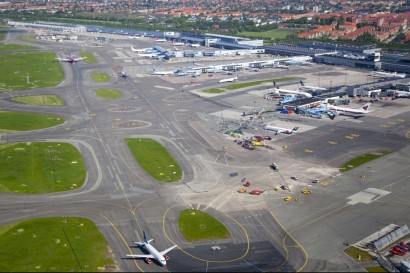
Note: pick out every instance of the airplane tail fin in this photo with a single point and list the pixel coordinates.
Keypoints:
(295, 129)
(274, 84)
(302, 83)
(366, 107)
(145, 237)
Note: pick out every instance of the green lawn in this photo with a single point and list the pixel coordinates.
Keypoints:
(196, 225)
(355, 252)
(375, 269)
(28, 38)
(362, 159)
(15, 47)
(108, 93)
(90, 58)
(100, 77)
(22, 71)
(155, 159)
(69, 244)
(41, 100)
(23, 121)
(40, 167)
(213, 90)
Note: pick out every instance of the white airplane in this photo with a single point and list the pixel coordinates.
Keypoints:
(70, 59)
(280, 130)
(286, 91)
(123, 74)
(160, 256)
(168, 72)
(229, 79)
(381, 74)
(297, 62)
(350, 111)
(160, 40)
(140, 50)
(303, 86)
(178, 43)
(194, 45)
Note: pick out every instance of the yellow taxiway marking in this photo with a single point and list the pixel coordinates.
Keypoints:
(93, 115)
(391, 122)
(399, 119)
(382, 125)
(325, 183)
(408, 134)
(332, 142)
(354, 135)
(349, 137)
(309, 151)
(117, 119)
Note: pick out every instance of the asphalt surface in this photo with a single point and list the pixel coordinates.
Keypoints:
(267, 233)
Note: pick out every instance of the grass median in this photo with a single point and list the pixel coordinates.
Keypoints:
(108, 93)
(196, 225)
(362, 159)
(89, 57)
(100, 77)
(23, 121)
(40, 167)
(69, 244)
(40, 100)
(155, 159)
(32, 70)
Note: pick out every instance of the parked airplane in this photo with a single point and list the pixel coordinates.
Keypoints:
(229, 79)
(388, 75)
(160, 40)
(180, 72)
(141, 50)
(349, 111)
(123, 74)
(194, 45)
(178, 43)
(70, 59)
(297, 62)
(160, 256)
(314, 88)
(168, 72)
(280, 130)
(286, 91)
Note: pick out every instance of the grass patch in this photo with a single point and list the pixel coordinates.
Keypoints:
(375, 269)
(213, 90)
(100, 77)
(40, 167)
(22, 121)
(70, 244)
(15, 47)
(355, 252)
(362, 159)
(41, 100)
(22, 71)
(196, 225)
(155, 159)
(90, 58)
(249, 84)
(108, 93)
(28, 38)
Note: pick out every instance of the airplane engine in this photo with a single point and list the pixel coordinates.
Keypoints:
(148, 260)
(166, 257)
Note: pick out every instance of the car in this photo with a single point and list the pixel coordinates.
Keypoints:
(306, 192)
(256, 192)
(294, 177)
(288, 198)
(242, 190)
(273, 166)
(315, 181)
(247, 184)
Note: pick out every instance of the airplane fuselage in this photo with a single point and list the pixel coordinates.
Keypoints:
(155, 254)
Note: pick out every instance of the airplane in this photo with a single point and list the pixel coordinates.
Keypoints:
(123, 74)
(168, 72)
(297, 62)
(313, 88)
(148, 55)
(160, 40)
(277, 90)
(280, 130)
(160, 256)
(194, 45)
(140, 50)
(71, 59)
(178, 43)
(388, 75)
(229, 79)
(180, 72)
(350, 111)
(281, 66)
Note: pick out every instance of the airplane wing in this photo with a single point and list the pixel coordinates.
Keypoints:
(167, 250)
(79, 59)
(140, 256)
(63, 60)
